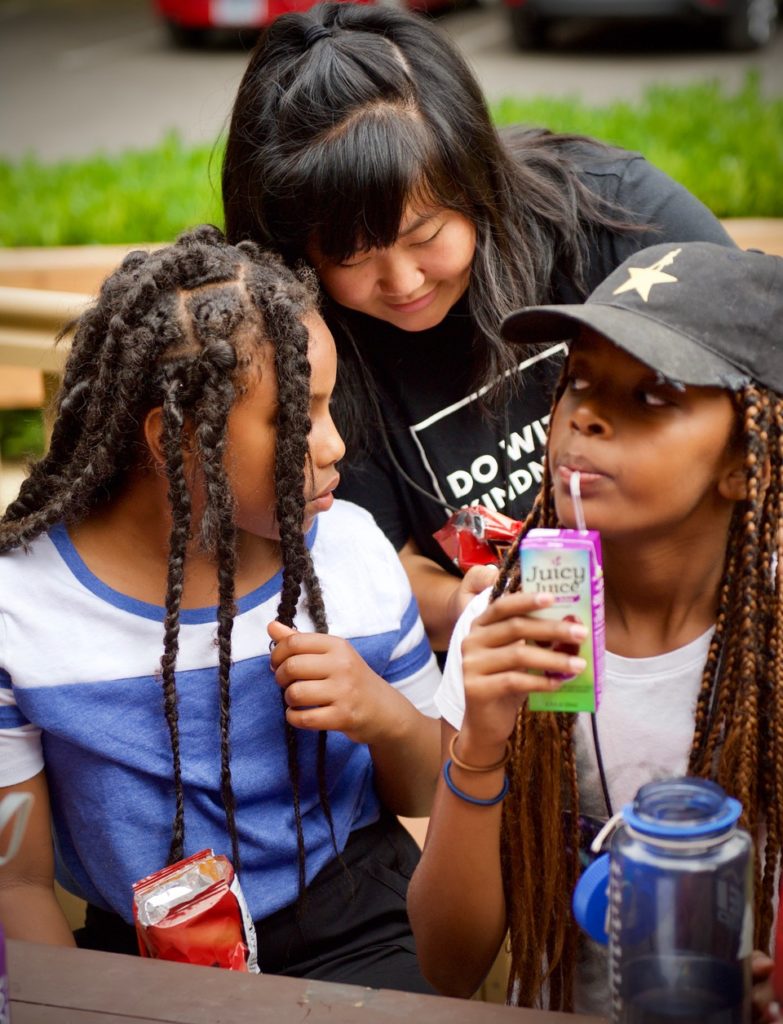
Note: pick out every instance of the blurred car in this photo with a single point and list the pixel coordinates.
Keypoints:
(743, 24)
(190, 22)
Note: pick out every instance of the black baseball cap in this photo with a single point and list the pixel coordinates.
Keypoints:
(698, 313)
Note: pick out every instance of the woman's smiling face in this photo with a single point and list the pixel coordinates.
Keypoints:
(415, 282)
(653, 458)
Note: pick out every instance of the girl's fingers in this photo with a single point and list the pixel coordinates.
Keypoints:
(511, 683)
(300, 667)
(524, 658)
(525, 628)
(522, 602)
(316, 718)
(309, 693)
(296, 644)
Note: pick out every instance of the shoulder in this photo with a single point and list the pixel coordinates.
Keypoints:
(359, 570)
(38, 560)
(348, 537)
(662, 207)
(345, 520)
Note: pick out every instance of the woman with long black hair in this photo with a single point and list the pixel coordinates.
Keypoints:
(360, 142)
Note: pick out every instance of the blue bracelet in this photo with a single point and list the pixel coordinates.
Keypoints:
(489, 802)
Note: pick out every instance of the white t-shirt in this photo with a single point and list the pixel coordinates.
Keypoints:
(645, 730)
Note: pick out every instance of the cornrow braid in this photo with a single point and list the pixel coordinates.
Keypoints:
(737, 739)
(183, 328)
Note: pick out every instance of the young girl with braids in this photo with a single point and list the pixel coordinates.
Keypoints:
(670, 409)
(178, 508)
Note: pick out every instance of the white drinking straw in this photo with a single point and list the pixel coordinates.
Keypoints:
(576, 497)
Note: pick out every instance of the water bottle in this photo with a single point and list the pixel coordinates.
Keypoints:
(679, 914)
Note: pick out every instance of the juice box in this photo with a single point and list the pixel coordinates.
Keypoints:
(567, 563)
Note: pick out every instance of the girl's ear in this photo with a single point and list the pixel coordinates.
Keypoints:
(733, 485)
(153, 436)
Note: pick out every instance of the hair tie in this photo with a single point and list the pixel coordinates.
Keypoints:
(315, 32)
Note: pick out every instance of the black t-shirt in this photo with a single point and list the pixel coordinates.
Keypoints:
(435, 425)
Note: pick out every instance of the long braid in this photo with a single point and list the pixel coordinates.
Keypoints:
(737, 740)
(218, 534)
(291, 341)
(179, 500)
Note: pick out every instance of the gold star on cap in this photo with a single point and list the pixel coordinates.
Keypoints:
(641, 279)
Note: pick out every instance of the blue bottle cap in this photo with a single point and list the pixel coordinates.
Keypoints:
(682, 808)
(591, 899)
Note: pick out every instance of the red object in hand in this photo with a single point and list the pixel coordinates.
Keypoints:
(477, 536)
(194, 912)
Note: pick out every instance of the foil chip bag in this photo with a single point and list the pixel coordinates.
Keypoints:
(477, 535)
(194, 912)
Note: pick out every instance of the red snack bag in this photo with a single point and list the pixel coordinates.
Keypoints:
(194, 912)
(477, 536)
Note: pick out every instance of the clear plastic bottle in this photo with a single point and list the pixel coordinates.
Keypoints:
(680, 916)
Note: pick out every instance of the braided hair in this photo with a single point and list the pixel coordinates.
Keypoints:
(737, 738)
(183, 328)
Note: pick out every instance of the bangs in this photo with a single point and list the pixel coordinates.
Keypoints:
(348, 191)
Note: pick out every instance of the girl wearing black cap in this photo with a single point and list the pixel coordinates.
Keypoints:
(670, 409)
(360, 142)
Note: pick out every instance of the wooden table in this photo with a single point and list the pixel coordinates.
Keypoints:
(55, 985)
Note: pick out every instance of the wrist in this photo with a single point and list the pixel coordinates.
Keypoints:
(480, 754)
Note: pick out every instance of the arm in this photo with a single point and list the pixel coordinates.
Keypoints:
(456, 902)
(441, 596)
(329, 686)
(28, 907)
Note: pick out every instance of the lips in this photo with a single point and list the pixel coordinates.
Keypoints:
(415, 305)
(325, 497)
(569, 464)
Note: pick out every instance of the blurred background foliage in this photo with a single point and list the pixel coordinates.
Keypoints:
(727, 148)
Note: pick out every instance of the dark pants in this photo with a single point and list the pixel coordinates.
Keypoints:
(351, 926)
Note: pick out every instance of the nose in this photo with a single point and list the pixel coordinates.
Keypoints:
(400, 276)
(587, 418)
(326, 445)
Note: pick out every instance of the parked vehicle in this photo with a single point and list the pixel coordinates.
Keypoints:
(190, 22)
(742, 24)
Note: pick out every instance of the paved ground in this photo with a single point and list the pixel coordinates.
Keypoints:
(82, 75)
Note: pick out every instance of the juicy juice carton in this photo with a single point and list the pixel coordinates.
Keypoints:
(567, 563)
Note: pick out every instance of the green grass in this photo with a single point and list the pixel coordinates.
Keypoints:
(139, 196)
(727, 148)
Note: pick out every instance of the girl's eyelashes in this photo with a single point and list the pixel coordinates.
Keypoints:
(358, 259)
(653, 398)
(426, 241)
(654, 395)
(353, 261)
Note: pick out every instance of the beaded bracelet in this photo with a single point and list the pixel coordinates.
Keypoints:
(488, 802)
(472, 767)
